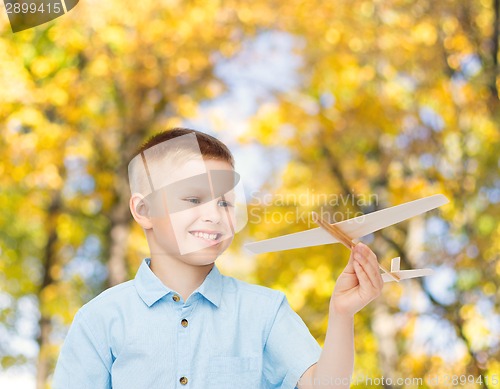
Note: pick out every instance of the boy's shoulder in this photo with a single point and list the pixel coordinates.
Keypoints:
(112, 296)
(252, 290)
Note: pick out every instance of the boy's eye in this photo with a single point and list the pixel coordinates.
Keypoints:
(224, 203)
(194, 200)
(220, 203)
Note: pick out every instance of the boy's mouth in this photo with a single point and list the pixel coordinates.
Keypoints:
(208, 236)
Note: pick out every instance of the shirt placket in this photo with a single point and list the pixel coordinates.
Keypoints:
(184, 376)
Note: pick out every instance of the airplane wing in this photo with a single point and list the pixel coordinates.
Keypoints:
(405, 274)
(355, 228)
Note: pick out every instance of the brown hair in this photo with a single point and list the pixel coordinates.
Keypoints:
(210, 148)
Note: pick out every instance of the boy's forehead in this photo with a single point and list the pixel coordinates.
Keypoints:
(169, 172)
(174, 161)
(169, 161)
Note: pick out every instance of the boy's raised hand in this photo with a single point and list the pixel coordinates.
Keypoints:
(359, 283)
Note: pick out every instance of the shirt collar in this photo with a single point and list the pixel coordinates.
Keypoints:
(211, 288)
(151, 289)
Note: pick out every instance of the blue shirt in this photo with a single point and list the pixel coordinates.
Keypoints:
(228, 334)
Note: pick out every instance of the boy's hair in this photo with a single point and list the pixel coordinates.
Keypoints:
(210, 148)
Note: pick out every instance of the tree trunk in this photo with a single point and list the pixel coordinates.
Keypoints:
(119, 231)
(45, 323)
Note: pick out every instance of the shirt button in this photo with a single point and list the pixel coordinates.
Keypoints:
(184, 322)
(176, 297)
(183, 380)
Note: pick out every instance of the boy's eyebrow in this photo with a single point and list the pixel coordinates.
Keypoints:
(216, 182)
(147, 170)
(193, 190)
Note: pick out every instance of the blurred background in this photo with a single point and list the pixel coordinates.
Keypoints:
(345, 107)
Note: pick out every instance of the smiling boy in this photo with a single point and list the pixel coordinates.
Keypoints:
(181, 323)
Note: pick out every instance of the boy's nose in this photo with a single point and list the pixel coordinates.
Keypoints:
(211, 212)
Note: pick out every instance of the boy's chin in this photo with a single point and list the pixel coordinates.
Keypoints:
(198, 258)
(203, 256)
(205, 250)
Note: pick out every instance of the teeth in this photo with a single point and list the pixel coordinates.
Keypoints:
(205, 235)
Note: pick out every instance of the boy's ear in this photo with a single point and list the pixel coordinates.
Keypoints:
(140, 211)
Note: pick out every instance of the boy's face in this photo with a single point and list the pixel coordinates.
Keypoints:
(193, 218)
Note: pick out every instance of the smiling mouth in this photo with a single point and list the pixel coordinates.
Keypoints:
(212, 237)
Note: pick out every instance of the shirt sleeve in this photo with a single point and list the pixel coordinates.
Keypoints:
(83, 362)
(290, 349)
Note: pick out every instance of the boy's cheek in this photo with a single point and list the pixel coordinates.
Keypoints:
(227, 242)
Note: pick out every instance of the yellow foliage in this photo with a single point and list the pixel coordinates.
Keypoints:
(477, 331)
(467, 312)
(332, 36)
(99, 77)
(42, 67)
(186, 106)
(425, 33)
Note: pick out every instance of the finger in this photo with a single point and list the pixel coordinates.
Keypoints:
(370, 262)
(375, 277)
(379, 281)
(365, 251)
(372, 269)
(350, 264)
(366, 257)
(371, 266)
(366, 288)
(379, 278)
(365, 281)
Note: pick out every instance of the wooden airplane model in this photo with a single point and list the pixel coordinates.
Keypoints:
(345, 231)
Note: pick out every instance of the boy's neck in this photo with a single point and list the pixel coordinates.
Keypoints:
(179, 276)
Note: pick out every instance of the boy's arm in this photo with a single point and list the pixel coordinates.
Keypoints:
(359, 283)
(83, 361)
